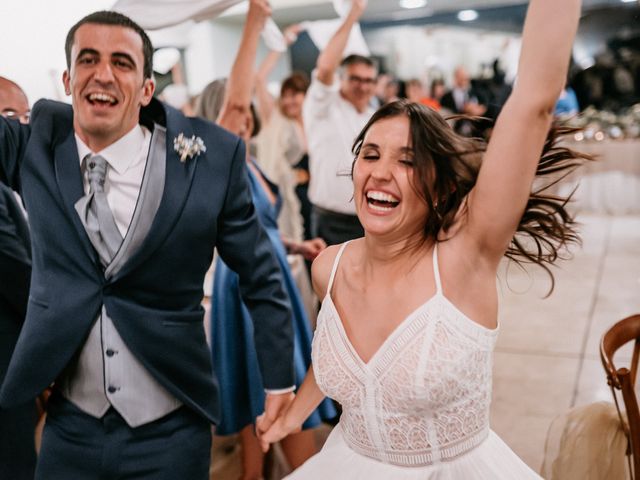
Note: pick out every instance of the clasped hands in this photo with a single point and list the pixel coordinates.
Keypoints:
(271, 426)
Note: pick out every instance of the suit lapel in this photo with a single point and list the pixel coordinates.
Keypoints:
(178, 179)
(69, 179)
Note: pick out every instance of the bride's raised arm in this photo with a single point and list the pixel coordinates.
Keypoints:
(498, 200)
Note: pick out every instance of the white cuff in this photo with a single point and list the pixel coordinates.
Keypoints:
(280, 391)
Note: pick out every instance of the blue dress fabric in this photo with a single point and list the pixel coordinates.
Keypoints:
(233, 352)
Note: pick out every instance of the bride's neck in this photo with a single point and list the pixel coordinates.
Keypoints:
(394, 254)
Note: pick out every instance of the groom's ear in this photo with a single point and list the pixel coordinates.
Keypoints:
(66, 81)
(148, 87)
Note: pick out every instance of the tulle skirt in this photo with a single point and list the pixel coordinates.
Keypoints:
(491, 460)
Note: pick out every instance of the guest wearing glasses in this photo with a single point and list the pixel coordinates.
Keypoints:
(335, 110)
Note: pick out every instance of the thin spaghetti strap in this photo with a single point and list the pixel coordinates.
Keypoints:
(335, 267)
(436, 269)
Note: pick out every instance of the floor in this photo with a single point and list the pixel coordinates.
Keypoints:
(547, 357)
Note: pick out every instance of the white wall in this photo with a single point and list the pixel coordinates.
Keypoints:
(423, 52)
(32, 36)
(212, 50)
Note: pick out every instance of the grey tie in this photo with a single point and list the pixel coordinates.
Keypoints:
(95, 214)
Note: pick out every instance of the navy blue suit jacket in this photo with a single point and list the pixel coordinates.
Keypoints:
(154, 299)
(15, 271)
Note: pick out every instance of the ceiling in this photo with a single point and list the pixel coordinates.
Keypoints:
(385, 12)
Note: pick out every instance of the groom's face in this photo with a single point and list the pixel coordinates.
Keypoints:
(106, 83)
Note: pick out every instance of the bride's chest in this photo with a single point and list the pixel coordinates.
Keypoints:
(424, 365)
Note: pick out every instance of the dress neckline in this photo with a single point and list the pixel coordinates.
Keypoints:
(396, 332)
(399, 329)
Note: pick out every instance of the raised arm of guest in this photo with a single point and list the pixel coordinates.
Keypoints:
(329, 59)
(237, 100)
(265, 101)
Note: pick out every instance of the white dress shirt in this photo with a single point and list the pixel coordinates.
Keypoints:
(331, 124)
(127, 159)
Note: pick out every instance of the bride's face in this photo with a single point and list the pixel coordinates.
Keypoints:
(386, 200)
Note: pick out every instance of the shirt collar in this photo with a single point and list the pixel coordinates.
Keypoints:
(122, 153)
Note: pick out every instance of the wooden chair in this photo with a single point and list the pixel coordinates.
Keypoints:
(623, 379)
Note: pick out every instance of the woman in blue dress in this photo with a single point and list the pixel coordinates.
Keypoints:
(242, 395)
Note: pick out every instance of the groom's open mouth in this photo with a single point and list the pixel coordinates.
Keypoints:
(101, 99)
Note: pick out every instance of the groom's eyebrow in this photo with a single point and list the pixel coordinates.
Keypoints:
(120, 55)
(87, 51)
(124, 56)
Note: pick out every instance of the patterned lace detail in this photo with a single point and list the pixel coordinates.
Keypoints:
(423, 397)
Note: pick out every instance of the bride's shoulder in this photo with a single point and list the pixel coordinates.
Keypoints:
(322, 267)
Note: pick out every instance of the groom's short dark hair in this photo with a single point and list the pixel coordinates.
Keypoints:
(105, 17)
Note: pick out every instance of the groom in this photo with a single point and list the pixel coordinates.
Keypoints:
(127, 199)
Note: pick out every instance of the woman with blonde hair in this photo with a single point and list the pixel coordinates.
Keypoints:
(242, 395)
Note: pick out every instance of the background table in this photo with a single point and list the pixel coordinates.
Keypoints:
(609, 185)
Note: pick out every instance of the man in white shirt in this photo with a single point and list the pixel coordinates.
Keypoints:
(334, 112)
(127, 199)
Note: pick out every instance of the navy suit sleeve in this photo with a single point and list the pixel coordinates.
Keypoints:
(244, 246)
(15, 263)
(13, 142)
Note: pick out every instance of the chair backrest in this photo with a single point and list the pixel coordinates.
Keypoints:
(623, 379)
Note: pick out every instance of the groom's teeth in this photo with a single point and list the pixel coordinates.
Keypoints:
(102, 97)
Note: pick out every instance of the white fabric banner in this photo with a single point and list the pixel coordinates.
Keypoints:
(156, 14)
(160, 14)
(321, 32)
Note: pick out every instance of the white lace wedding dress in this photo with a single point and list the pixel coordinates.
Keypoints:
(419, 409)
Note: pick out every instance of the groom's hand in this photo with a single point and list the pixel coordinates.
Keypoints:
(274, 405)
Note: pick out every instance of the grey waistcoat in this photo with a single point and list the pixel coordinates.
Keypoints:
(105, 372)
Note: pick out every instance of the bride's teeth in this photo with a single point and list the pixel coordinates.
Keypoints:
(381, 196)
(380, 208)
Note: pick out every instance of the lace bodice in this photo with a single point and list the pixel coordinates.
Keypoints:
(424, 396)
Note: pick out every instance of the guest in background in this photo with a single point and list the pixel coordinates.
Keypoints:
(232, 336)
(437, 90)
(416, 93)
(567, 104)
(414, 90)
(334, 112)
(465, 100)
(282, 144)
(387, 89)
(17, 425)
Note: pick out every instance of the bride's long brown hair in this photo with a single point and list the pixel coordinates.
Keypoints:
(447, 166)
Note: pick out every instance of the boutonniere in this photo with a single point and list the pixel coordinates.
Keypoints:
(188, 147)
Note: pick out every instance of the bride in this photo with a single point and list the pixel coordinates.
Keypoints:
(408, 324)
